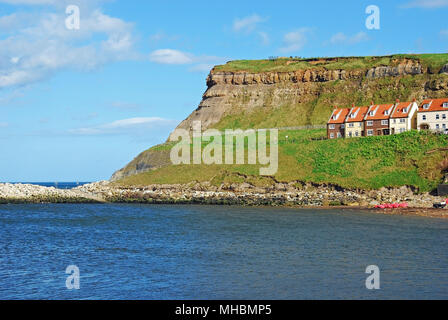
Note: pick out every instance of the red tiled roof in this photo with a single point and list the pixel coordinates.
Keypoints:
(359, 112)
(341, 115)
(434, 105)
(380, 112)
(399, 111)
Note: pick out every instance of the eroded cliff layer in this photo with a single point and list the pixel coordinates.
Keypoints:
(295, 92)
(306, 96)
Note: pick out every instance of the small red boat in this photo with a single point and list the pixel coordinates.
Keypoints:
(392, 206)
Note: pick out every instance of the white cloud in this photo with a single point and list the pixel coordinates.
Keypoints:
(341, 38)
(202, 67)
(10, 97)
(3, 124)
(247, 24)
(31, 2)
(40, 45)
(55, 3)
(161, 36)
(294, 41)
(124, 105)
(444, 33)
(201, 63)
(429, 4)
(265, 40)
(126, 126)
(170, 56)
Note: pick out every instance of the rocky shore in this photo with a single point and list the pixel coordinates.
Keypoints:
(27, 193)
(295, 194)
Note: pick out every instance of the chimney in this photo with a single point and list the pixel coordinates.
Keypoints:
(371, 103)
(398, 100)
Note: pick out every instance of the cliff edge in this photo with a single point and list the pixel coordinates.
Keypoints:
(288, 92)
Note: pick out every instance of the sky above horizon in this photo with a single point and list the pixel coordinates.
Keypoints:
(79, 104)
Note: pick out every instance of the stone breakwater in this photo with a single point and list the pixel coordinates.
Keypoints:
(278, 194)
(27, 193)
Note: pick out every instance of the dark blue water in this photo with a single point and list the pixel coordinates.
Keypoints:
(57, 185)
(205, 252)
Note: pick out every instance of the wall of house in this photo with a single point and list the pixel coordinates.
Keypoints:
(409, 124)
(432, 121)
(398, 125)
(376, 125)
(358, 127)
(338, 128)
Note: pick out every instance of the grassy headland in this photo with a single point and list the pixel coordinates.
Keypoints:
(432, 61)
(364, 163)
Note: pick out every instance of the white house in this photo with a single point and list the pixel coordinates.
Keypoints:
(433, 115)
(403, 117)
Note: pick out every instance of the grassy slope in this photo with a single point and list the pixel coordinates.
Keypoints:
(318, 110)
(366, 163)
(341, 93)
(432, 61)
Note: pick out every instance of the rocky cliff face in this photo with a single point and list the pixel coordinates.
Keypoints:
(300, 97)
(232, 93)
(148, 160)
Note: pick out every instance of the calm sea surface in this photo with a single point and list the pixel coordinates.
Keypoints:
(213, 252)
(58, 185)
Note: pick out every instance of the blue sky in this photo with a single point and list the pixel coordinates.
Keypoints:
(76, 105)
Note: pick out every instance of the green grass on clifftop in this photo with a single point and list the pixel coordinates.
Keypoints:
(433, 61)
(363, 163)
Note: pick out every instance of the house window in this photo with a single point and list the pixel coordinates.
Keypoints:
(444, 116)
(351, 125)
(342, 126)
(402, 130)
(444, 126)
(437, 126)
(331, 126)
(370, 123)
(370, 132)
(384, 122)
(356, 134)
(405, 110)
(395, 121)
(426, 106)
(402, 120)
(445, 104)
(339, 135)
(424, 117)
(331, 135)
(371, 113)
(437, 117)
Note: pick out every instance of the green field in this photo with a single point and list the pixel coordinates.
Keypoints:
(433, 61)
(358, 163)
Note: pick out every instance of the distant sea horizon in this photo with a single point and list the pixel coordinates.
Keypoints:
(57, 185)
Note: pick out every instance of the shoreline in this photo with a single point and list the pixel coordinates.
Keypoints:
(292, 195)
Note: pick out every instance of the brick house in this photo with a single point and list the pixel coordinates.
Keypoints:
(354, 123)
(376, 121)
(433, 115)
(336, 124)
(404, 117)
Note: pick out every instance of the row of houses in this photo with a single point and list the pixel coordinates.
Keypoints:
(387, 119)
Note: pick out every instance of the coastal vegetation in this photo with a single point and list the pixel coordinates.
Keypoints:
(284, 64)
(357, 163)
(293, 92)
